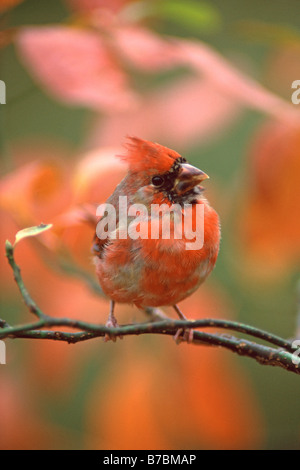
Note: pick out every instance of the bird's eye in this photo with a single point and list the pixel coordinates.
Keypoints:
(157, 181)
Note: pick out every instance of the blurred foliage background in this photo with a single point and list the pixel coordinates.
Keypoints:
(81, 75)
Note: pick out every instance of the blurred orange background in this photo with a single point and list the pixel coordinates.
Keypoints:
(213, 81)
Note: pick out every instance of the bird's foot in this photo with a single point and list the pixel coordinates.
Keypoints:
(182, 335)
(111, 323)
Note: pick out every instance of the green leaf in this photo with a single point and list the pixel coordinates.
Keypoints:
(197, 16)
(31, 232)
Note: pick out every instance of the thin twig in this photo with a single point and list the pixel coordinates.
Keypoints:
(33, 308)
(281, 356)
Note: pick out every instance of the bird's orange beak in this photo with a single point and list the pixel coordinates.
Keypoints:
(189, 176)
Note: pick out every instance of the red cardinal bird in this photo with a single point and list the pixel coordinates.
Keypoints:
(159, 271)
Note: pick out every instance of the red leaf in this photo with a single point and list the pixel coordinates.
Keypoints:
(75, 66)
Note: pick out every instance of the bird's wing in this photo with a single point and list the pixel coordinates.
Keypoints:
(98, 244)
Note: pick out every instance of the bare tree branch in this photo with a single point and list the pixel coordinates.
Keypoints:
(280, 356)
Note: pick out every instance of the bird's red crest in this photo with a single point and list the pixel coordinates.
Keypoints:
(144, 155)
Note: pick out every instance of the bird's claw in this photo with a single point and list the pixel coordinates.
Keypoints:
(182, 335)
(111, 323)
